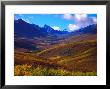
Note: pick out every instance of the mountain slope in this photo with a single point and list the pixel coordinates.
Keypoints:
(77, 56)
(91, 29)
(24, 29)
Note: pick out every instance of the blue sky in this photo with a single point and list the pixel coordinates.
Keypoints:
(70, 22)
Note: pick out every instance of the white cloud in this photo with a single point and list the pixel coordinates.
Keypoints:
(80, 17)
(56, 28)
(84, 20)
(94, 20)
(81, 21)
(73, 27)
(67, 16)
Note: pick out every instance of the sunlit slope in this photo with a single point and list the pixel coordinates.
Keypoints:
(74, 56)
(77, 56)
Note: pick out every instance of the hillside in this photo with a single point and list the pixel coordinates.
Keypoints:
(77, 56)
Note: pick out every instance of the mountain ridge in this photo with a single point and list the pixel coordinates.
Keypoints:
(33, 30)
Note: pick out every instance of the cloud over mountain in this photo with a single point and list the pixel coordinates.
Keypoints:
(80, 21)
(73, 27)
(56, 28)
(59, 22)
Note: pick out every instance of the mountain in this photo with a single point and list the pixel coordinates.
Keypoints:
(33, 37)
(42, 37)
(91, 29)
(24, 29)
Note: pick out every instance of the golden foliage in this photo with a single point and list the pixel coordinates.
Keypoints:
(27, 70)
(22, 70)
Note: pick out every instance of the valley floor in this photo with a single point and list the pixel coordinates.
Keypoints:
(72, 59)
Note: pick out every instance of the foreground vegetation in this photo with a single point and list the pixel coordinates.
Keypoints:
(74, 56)
(72, 59)
(28, 70)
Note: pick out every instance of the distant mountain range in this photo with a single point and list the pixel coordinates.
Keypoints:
(91, 29)
(24, 29)
(33, 37)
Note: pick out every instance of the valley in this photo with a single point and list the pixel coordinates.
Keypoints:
(54, 53)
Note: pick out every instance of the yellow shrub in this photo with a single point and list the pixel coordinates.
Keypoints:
(27, 70)
(22, 70)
